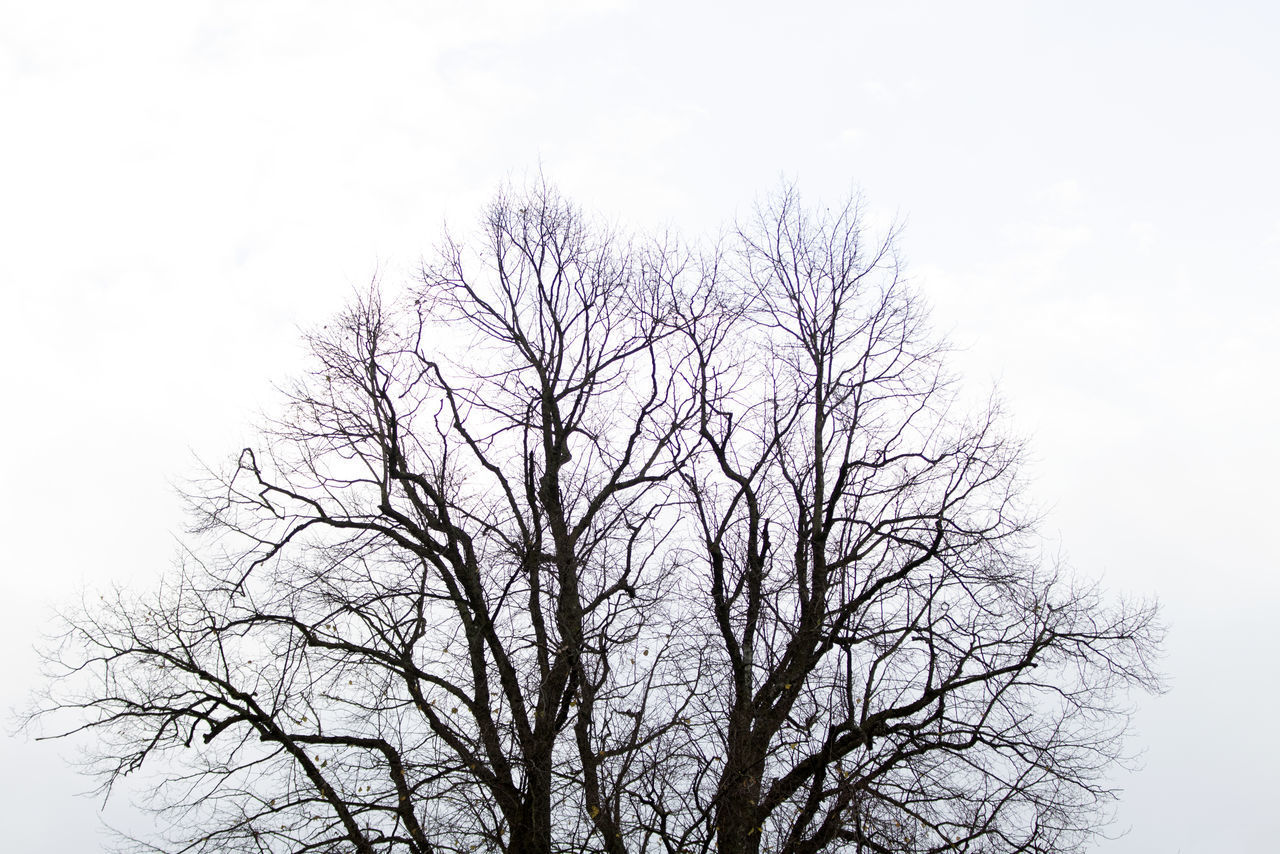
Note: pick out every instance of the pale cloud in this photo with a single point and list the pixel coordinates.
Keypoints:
(1038, 252)
(621, 155)
(886, 93)
(1065, 192)
(852, 135)
(1145, 234)
(879, 92)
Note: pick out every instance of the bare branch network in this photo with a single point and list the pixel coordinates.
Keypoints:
(597, 544)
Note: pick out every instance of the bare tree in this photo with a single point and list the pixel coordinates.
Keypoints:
(900, 670)
(587, 544)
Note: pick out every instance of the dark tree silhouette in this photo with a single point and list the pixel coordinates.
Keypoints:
(591, 544)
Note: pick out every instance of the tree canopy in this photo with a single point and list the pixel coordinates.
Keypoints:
(586, 542)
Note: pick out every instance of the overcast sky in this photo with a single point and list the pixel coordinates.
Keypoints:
(1092, 205)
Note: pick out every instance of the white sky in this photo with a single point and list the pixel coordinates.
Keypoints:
(1090, 191)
